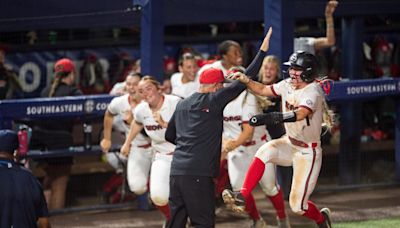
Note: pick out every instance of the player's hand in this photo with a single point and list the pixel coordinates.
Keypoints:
(229, 145)
(105, 145)
(125, 149)
(265, 44)
(238, 76)
(330, 8)
(157, 117)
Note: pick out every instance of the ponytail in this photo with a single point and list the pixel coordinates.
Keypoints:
(57, 79)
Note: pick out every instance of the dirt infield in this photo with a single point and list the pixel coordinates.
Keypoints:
(348, 205)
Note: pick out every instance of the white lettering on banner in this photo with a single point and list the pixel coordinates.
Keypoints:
(27, 69)
(352, 90)
(53, 109)
(101, 106)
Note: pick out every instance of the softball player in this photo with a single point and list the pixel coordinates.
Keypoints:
(304, 109)
(184, 82)
(123, 106)
(152, 116)
(243, 140)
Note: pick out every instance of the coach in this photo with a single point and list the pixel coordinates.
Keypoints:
(22, 202)
(196, 129)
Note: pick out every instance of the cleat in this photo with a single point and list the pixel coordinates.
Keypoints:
(327, 221)
(234, 201)
(259, 223)
(283, 223)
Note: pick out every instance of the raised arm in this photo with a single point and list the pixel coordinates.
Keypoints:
(329, 40)
(230, 92)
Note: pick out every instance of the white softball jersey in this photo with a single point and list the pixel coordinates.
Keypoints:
(183, 90)
(143, 115)
(309, 97)
(118, 108)
(217, 65)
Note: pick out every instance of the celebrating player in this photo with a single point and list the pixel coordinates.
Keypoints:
(242, 141)
(303, 110)
(122, 107)
(152, 116)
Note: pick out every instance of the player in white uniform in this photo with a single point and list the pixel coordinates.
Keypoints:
(242, 141)
(184, 82)
(304, 109)
(153, 116)
(231, 56)
(119, 116)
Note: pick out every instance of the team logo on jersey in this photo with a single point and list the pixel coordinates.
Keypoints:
(232, 118)
(153, 127)
(289, 106)
(309, 102)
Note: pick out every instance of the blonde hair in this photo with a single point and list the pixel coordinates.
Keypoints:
(152, 80)
(328, 116)
(269, 59)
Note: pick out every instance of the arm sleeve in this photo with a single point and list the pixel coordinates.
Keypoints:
(254, 67)
(170, 133)
(227, 94)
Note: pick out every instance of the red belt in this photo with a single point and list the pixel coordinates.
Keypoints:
(250, 143)
(298, 142)
(145, 146)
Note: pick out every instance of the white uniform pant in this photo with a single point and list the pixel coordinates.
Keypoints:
(306, 164)
(239, 162)
(138, 170)
(141, 164)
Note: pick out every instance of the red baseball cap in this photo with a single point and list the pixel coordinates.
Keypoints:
(64, 65)
(212, 75)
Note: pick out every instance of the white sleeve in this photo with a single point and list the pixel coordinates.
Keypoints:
(113, 106)
(137, 114)
(278, 88)
(309, 101)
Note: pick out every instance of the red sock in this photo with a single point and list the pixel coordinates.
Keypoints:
(251, 208)
(313, 213)
(223, 178)
(279, 205)
(253, 176)
(165, 211)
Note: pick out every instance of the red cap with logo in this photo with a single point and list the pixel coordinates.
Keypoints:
(64, 65)
(212, 75)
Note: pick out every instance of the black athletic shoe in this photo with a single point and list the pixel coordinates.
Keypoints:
(327, 215)
(234, 200)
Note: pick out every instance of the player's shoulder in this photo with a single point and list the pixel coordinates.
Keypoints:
(142, 106)
(176, 78)
(173, 99)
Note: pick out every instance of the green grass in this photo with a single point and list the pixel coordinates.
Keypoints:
(378, 223)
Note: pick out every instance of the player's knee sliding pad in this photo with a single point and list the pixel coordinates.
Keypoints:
(159, 201)
(138, 190)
